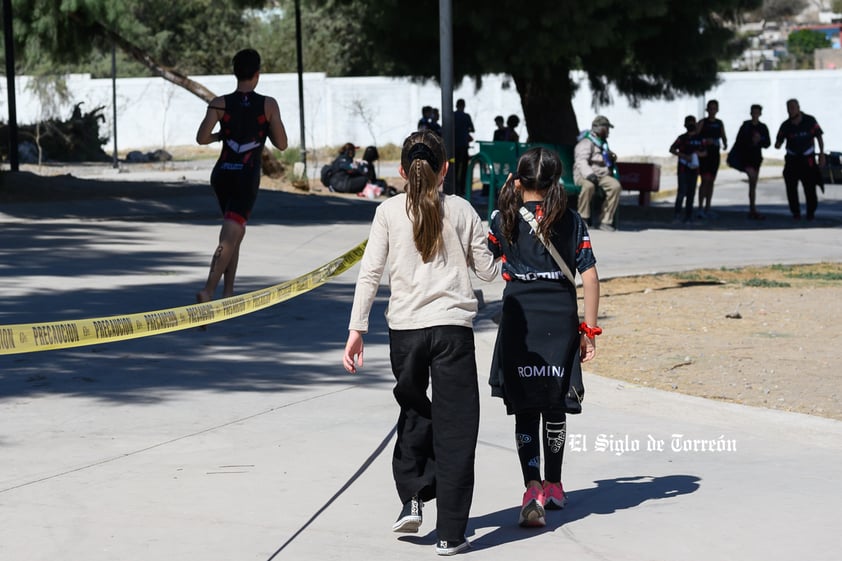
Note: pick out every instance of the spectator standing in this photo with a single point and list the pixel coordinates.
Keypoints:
(688, 147)
(500, 131)
(712, 132)
(463, 126)
(594, 166)
(746, 154)
(426, 118)
(511, 128)
(435, 116)
(801, 132)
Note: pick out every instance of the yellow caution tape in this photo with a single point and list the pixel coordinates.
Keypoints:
(33, 337)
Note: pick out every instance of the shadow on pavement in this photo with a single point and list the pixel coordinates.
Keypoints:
(30, 196)
(607, 497)
(270, 350)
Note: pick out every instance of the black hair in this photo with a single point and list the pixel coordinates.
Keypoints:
(348, 149)
(538, 169)
(246, 64)
(756, 106)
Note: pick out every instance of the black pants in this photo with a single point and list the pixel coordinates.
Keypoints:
(803, 169)
(436, 444)
(530, 433)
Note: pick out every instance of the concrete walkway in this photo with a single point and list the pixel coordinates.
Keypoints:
(249, 441)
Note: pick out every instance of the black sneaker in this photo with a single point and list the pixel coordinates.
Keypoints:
(409, 520)
(452, 547)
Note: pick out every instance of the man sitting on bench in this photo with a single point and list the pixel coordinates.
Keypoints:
(594, 167)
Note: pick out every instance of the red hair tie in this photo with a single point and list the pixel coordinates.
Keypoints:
(591, 332)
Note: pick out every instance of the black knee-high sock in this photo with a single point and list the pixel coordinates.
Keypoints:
(527, 438)
(555, 434)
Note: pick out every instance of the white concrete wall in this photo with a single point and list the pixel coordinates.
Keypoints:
(153, 113)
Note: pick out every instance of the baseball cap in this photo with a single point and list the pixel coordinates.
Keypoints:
(602, 121)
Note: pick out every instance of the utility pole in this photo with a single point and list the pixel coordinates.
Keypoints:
(446, 81)
(14, 163)
(300, 60)
(115, 163)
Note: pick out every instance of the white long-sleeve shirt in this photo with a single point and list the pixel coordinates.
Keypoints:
(423, 294)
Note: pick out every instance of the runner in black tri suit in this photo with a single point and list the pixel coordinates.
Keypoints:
(246, 119)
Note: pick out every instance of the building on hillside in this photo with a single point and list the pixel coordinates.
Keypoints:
(827, 59)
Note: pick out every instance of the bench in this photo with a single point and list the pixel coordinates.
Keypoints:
(644, 178)
(497, 159)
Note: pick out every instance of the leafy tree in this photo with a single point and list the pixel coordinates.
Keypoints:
(657, 48)
(803, 42)
(170, 39)
(177, 36)
(332, 38)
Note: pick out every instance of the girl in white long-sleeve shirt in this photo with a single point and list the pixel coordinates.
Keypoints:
(430, 243)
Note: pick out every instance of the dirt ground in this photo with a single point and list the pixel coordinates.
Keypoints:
(763, 337)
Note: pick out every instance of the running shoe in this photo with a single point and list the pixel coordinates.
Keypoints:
(532, 512)
(452, 547)
(409, 520)
(554, 498)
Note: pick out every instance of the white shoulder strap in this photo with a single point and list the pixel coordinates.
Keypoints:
(530, 218)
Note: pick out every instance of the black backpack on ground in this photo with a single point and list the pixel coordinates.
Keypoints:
(327, 172)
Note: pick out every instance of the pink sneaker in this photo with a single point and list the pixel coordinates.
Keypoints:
(554, 498)
(532, 512)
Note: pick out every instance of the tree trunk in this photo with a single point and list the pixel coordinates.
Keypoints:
(548, 107)
(168, 74)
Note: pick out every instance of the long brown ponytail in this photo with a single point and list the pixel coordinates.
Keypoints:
(422, 158)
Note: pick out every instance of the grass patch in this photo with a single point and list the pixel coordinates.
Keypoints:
(817, 275)
(698, 276)
(289, 156)
(766, 283)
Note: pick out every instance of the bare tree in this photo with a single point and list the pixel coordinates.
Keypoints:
(51, 92)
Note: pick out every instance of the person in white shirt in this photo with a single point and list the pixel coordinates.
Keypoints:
(430, 243)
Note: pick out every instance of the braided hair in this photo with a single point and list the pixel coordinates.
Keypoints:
(422, 158)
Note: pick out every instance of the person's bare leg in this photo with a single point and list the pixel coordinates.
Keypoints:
(231, 272)
(709, 196)
(229, 243)
(705, 192)
(752, 190)
(702, 189)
